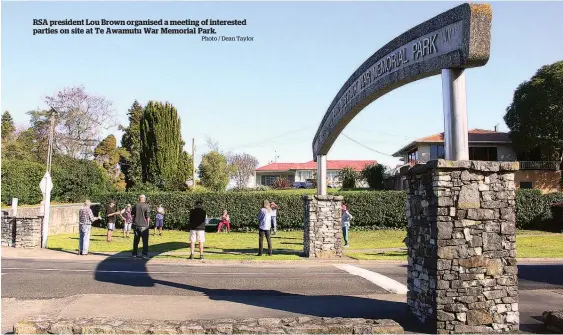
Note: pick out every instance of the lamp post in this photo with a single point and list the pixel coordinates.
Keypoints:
(46, 184)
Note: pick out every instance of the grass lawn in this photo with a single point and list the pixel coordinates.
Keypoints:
(289, 245)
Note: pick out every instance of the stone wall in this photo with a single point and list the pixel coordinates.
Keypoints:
(63, 219)
(462, 274)
(297, 325)
(322, 236)
(21, 232)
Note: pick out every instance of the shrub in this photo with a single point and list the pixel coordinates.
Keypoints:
(533, 208)
(20, 179)
(348, 177)
(374, 175)
(370, 209)
(281, 184)
(75, 180)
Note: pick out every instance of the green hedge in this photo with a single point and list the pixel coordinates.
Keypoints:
(20, 179)
(533, 209)
(370, 209)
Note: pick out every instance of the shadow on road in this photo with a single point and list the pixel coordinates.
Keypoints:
(318, 306)
(548, 273)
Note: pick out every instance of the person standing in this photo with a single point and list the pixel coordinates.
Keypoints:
(346, 218)
(141, 221)
(196, 226)
(274, 209)
(159, 220)
(85, 219)
(264, 225)
(111, 215)
(127, 218)
(225, 220)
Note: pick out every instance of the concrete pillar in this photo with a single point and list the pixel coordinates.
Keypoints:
(462, 274)
(321, 175)
(322, 231)
(456, 145)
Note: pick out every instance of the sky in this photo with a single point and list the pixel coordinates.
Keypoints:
(267, 97)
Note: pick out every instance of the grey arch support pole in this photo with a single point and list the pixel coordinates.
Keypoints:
(321, 175)
(455, 114)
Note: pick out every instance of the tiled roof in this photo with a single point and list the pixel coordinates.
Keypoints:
(357, 165)
(473, 136)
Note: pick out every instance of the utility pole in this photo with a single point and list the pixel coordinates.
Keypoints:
(50, 149)
(46, 184)
(193, 161)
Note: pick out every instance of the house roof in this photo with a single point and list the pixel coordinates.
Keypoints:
(357, 165)
(473, 135)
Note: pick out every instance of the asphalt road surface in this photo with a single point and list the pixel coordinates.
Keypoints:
(274, 289)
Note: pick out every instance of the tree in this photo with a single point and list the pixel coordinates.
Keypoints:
(349, 177)
(243, 167)
(214, 171)
(8, 127)
(184, 172)
(131, 142)
(535, 115)
(374, 174)
(161, 144)
(80, 121)
(107, 154)
(76, 180)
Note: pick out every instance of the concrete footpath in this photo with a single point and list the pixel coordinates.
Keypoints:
(178, 308)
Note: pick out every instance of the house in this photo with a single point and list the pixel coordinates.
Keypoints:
(301, 172)
(484, 145)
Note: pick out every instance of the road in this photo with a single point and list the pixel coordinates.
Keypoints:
(67, 288)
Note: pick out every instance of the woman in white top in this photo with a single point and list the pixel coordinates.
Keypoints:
(346, 217)
(273, 214)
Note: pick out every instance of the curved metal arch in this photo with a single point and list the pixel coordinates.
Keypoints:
(458, 38)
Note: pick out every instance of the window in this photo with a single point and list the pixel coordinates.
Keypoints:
(526, 184)
(304, 175)
(332, 175)
(413, 156)
(437, 151)
(483, 153)
(269, 180)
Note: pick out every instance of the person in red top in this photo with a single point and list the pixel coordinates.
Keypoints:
(224, 221)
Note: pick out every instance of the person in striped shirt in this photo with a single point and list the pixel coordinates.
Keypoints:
(85, 219)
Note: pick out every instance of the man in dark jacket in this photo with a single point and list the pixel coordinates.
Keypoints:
(196, 227)
(141, 219)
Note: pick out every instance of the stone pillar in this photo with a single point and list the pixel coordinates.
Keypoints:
(462, 274)
(21, 232)
(322, 233)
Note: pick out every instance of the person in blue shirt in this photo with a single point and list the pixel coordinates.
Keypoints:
(346, 217)
(264, 225)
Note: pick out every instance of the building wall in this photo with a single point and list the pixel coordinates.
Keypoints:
(505, 153)
(545, 181)
(423, 153)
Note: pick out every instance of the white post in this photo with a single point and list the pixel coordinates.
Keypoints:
(321, 175)
(46, 186)
(14, 207)
(455, 114)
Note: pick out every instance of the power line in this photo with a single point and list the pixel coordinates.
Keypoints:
(260, 142)
(353, 140)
